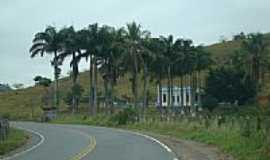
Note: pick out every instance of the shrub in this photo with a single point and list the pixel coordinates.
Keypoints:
(209, 102)
(127, 115)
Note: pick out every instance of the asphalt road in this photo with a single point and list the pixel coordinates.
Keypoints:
(75, 142)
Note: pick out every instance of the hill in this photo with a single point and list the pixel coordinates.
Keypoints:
(4, 88)
(23, 103)
(26, 102)
(220, 51)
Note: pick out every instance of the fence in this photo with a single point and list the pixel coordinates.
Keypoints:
(4, 129)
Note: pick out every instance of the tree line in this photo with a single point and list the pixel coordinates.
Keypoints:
(113, 52)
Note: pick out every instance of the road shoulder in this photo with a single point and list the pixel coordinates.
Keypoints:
(32, 140)
(190, 150)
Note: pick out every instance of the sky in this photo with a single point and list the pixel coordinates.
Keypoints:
(203, 21)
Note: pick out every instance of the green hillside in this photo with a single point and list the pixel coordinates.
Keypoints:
(25, 102)
(22, 103)
(222, 50)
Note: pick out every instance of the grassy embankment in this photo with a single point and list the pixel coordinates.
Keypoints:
(15, 139)
(231, 136)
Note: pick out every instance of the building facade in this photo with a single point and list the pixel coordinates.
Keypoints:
(176, 98)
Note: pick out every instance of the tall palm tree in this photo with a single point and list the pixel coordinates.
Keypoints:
(112, 50)
(134, 45)
(148, 57)
(72, 47)
(179, 65)
(92, 46)
(49, 42)
(255, 45)
(157, 67)
(202, 62)
(190, 66)
(169, 59)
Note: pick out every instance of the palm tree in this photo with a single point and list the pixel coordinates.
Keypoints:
(92, 46)
(134, 45)
(148, 57)
(157, 68)
(189, 65)
(49, 42)
(72, 47)
(95, 58)
(169, 53)
(202, 62)
(111, 54)
(256, 47)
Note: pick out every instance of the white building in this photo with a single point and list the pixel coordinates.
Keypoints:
(176, 100)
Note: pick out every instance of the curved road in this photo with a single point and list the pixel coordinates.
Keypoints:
(75, 142)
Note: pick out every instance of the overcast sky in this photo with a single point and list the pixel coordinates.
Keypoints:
(204, 21)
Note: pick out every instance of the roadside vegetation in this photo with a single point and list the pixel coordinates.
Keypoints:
(15, 139)
(229, 81)
(243, 137)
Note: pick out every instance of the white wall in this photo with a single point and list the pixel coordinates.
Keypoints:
(176, 92)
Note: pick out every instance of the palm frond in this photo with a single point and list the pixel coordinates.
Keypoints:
(38, 45)
(36, 52)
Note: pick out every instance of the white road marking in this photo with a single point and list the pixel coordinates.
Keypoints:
(155, 140)
(42, 139)
(147, 137)
(168, 149)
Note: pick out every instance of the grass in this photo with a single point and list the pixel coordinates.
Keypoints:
(228, 140)
(228, 137)
(15, 139)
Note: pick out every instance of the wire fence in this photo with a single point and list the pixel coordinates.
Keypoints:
(4, 129)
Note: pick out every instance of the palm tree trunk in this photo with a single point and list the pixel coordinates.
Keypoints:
(185, 95)
(160, 91)
(135, 83)
(95, 86)
(172, 90)
(73, 84)
(90, 86)
(108, 87)
(169, 86)
(182, 91)
(56, 92)
(199, 89)
(110, 96)
(193, 91)
(106, 91)
(145, 87)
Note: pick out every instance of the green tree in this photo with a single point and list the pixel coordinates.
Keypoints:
(42, 81)
(112, 61)
(229, 85)
(148, 58)
(255, 46)
(76, 91)
(71, 47)
(168, 59)
(45, 83)
(133, 58)
(157, 67)
(91, 41)
(50, 42)
(202, 62)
